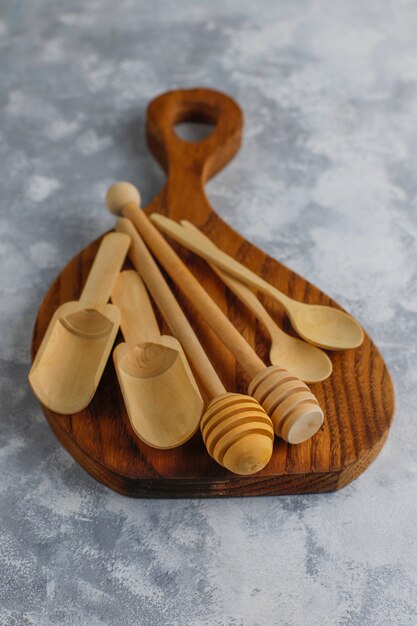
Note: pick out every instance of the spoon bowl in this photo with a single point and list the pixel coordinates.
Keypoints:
(309, 363)
(325, 327)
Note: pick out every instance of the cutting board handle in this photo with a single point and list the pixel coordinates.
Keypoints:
(190, 164)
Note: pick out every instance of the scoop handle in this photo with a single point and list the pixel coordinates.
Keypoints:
(138, 321)
(170, 309)
(105, 270)
(190, 286)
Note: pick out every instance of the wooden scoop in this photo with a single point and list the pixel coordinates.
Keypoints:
(293, 409)
(306, 361)
(161, 396)
(237, 432)
(323, 326)
(74, 351)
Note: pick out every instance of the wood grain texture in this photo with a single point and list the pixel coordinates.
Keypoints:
(358, 398)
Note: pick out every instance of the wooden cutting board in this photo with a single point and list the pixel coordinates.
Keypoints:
(358, 398)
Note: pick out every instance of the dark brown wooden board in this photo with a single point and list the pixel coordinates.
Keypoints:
(358, 398)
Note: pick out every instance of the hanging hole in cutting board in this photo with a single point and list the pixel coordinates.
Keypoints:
(193, 131)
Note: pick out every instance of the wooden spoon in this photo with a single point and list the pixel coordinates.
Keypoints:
(323, 326)
(79, 338)
(162, 399)
(293, 409)
(307, 362)
(237, 432)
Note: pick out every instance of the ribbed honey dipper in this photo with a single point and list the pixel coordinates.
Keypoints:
(237, 432)
(294, 410)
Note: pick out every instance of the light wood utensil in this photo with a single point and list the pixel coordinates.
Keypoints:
(323, 326)
(306, 361)
(162, 399)
(75, 348)
(293, 409)
(237, 432)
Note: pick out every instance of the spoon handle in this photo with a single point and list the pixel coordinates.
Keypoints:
(138, 321)
(213, 254)
(243, 292)
(248, 298)
(193, 290)
(170, 309)
(105, 270)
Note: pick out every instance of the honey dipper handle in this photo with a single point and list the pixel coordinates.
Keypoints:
(138, 321)
(190, 286)
(212, 254)
(170, 309)
(105, 270)
(243, 292)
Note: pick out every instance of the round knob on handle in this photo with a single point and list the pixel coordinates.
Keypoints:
(121, 193)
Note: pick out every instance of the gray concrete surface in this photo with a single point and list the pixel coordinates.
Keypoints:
(326, 182)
